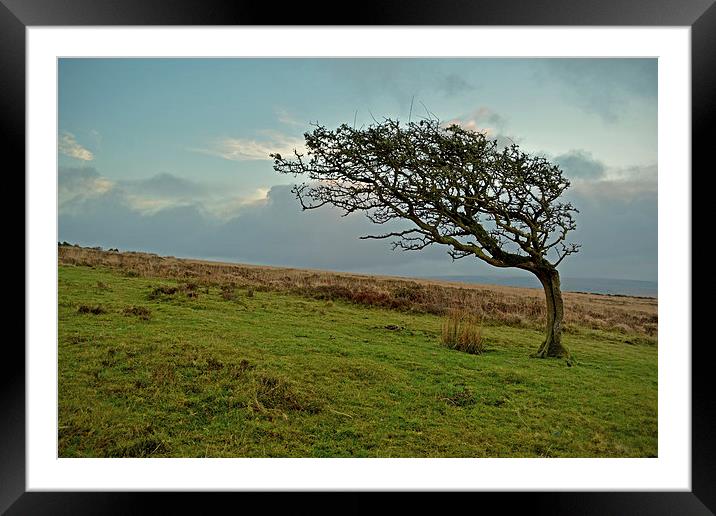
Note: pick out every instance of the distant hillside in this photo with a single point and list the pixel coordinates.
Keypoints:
(607, 286)
(510, 305)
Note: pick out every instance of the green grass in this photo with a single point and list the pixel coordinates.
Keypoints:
(276, 375)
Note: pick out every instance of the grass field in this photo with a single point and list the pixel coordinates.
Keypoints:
(154, 366)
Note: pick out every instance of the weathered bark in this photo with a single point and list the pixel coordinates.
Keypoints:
(552, 345)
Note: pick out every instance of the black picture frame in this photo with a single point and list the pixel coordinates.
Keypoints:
(700, 15)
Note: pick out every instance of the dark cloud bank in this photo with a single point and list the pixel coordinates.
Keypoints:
(618, 236)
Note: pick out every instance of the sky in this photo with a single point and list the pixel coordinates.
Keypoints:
(171, 155)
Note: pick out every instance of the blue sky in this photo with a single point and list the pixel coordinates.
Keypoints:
(171, 155)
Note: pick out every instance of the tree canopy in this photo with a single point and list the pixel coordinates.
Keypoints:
(456, 186)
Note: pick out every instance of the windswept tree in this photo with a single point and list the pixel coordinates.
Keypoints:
(453, 187)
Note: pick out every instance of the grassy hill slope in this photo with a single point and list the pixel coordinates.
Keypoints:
(158, 366)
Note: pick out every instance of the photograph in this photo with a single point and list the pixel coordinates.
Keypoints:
(298, 256)
(357, 257)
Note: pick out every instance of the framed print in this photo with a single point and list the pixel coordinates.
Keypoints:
(210, 309)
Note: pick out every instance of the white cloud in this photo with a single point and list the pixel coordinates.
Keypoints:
(78, 184)
(69, 146)
(287, 118)
(625, 184)
(482, 119)
(592, 178)
(146, 206)
(486, 121)
(580, 165)
(219, 202)
(246, 149)
(229, 207)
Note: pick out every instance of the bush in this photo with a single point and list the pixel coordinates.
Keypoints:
(462, 331)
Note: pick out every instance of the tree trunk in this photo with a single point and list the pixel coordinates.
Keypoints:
(552, 345)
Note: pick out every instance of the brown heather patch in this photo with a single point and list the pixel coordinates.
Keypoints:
(496, 304)
(91, 309)
(227, 291)
(142, 312)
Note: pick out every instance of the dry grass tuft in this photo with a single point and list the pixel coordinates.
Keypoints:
(462, 331)
(241, 368)
(276, 393)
